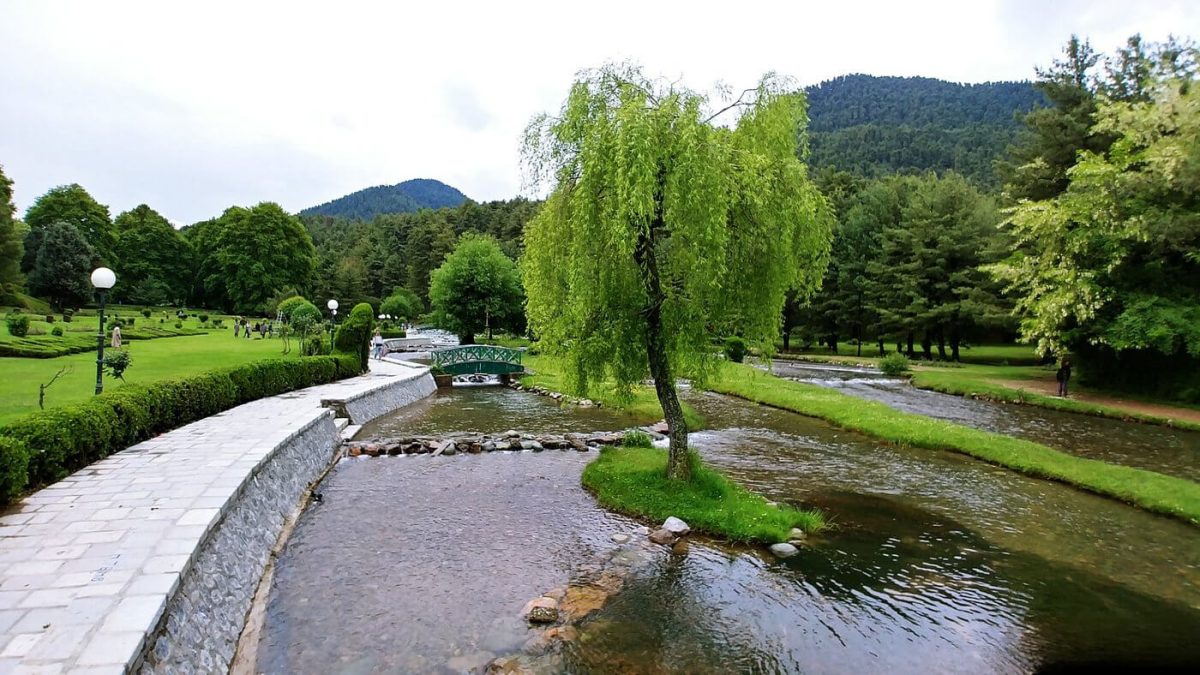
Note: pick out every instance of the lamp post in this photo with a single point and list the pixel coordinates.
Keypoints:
(332, 305)
(102, 279)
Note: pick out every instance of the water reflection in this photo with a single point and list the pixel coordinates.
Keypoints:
(939, 563)
(1175, 452)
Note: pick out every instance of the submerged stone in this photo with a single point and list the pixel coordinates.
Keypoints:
(784, 550)
(676, 526)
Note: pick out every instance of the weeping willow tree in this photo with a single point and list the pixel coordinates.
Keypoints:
(668, 225)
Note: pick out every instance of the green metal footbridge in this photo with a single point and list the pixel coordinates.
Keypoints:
(471, 359)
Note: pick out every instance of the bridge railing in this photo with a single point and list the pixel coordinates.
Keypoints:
(451, 356)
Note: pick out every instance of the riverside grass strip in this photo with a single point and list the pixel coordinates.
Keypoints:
(1152, 491)
(634, 481)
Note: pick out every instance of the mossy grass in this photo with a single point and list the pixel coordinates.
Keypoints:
(1152, 491)
(643, 407)
(634, 481)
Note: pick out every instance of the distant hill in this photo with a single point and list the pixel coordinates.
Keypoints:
(406, 197)
(878, 125)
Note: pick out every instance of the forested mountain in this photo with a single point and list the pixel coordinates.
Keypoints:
(874, 126)
(407, 197)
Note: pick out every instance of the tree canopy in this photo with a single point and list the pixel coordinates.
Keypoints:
(153, 261)
(71, 204)
(665, 227)
(477, 288)
(64, 261)
(12, 247)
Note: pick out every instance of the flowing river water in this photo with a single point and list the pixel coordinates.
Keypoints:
(936, 563)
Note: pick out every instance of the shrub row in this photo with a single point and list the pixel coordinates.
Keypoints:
(47, 445)
(53, 345)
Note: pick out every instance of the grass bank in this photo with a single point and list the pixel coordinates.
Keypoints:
(643, 407)
(1152, 491)
(153, 361)
(634, 481)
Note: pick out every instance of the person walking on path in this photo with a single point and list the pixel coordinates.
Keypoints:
(116, 337)
(377, 345)
(1063, 376)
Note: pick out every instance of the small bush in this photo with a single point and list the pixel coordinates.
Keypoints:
(637, 439)
(49, 318)
(130, 320)
(289, 305)
(218, 323)
(57, 331)
(116, 361)
(203, 318)
(178, 324)
(14, 468)
(162, 320)
(146, 313)
(894, 364)
(304, 312)
(68, 315)
(18, 324)
(315, 345)
(735, 349)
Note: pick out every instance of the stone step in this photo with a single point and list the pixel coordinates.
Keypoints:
(341, 423)
(350, 431)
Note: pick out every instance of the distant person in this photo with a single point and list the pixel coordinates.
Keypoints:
(116, 337)
(246, 328)
(377, 345)
(1063, 376)
(270, 325)
(237, 327)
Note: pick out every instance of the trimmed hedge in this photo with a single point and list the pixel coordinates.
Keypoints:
(45, 446)
(354, 335)
(74, 342)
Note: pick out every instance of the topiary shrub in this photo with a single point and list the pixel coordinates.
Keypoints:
(49, 318)
(18, 324)
(354, 335)
(314, 345)
(57, 331)
(203, 318)
(14, 468)
(146, 313)
(68, 314)
(894, 364)
(178, 324)
(304, 313)
(289, 305)
(735, 349)
(218, 323)
(129, 320)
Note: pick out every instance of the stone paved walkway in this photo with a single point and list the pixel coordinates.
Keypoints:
(88, 564)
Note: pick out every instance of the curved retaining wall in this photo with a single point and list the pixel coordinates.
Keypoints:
(148, 559)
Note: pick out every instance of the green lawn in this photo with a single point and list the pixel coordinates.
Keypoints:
(1149, 490)
(153, 360)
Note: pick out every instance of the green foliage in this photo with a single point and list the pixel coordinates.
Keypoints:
(289, 305)
(203, 318)
(353, 336)
(476, 288)
(402, 305)
(643, 179)
(633, 481)
(14, 468)
(153, 261)
(74, 342)
(18, 324)
(735, 349)
(894, 364)
(250, 253)
(57, 331)
(637, 439)
(1151, 491)
(12, 236)
(304, 316)
(146, 313)
(178, 325)
(116, 362)
(1110, 264)
(64, 261)
(409, 196)
(67, 438)
(70, 204)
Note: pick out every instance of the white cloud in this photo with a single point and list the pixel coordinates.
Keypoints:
(193, 107)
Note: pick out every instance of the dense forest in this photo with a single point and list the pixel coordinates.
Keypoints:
(876, 126)
(407, 197)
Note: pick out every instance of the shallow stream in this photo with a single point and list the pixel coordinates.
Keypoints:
(937, 563)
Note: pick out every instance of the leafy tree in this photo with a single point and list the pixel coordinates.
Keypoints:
(73, 205)
(12, 248)
(153, 260)
(1111, 264)
(476, 289)
(254, 253)
(402, 304)
(64, 261)
(664, 228)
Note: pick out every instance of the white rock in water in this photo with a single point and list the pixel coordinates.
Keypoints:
(510, 433)
(784, 550)
(620, 538)
(676, 526)
(797, 533)
(642, 530)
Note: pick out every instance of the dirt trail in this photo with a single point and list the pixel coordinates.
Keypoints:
(1050, 388)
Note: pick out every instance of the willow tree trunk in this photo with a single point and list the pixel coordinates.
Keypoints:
(678, 465)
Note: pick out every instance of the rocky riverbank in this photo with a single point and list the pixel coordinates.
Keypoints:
(481, 443)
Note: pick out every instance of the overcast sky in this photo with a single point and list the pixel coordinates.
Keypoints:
(192, 107)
